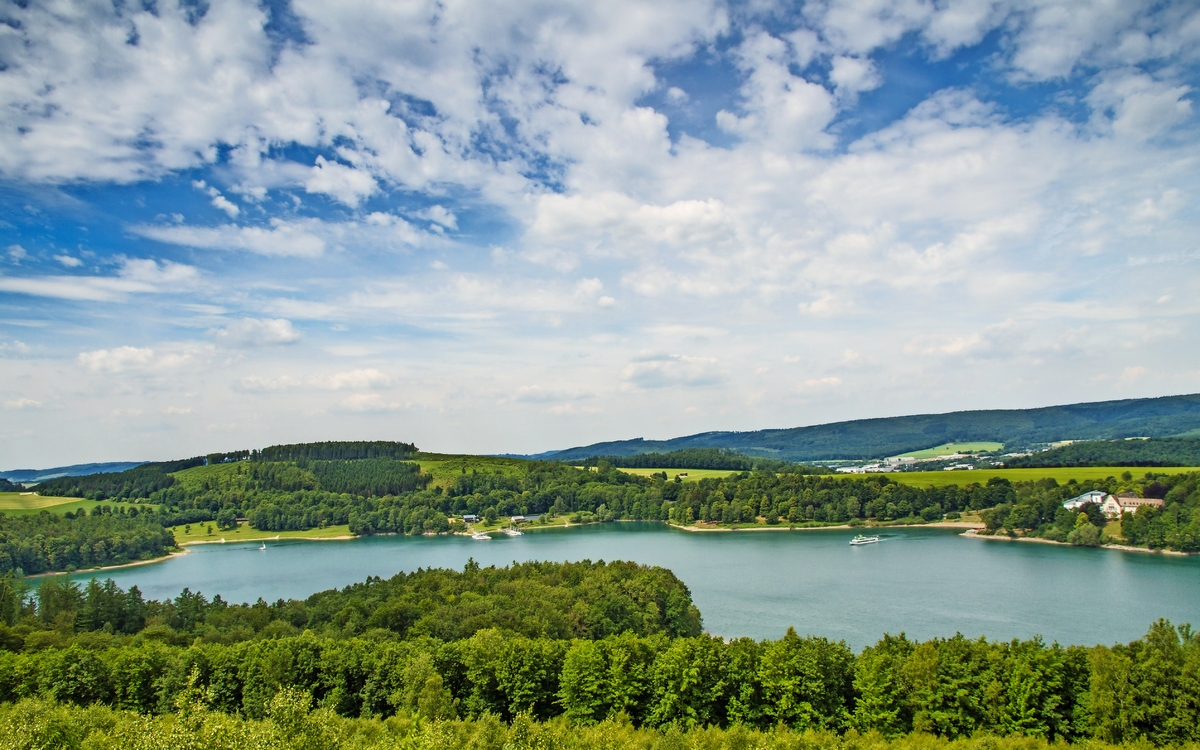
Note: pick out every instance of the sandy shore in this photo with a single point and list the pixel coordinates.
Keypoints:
(134, 564)
(1117, 547)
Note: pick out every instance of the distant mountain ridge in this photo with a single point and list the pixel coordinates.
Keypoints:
(75, 470)
(1166, 416)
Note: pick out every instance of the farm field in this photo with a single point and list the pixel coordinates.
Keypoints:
(952, 448)
(980, 476)
(693, 475)
(244, 533)
(18, 504)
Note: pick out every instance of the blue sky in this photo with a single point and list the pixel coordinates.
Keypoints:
(518, 226)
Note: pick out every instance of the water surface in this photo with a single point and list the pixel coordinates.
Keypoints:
(926, 582)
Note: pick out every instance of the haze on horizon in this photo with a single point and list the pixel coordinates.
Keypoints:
(519, 226)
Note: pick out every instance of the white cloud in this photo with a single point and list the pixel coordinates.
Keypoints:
(16, 254)
(371, 403)
(22, 403)
(135, 276)
(364, 378)
(345, 184)
(281, 238)
(117, 360)
(669, 370)
(69, 261)
(255, 332)
(168, 359)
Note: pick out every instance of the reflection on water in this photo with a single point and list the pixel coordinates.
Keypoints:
(926, 582)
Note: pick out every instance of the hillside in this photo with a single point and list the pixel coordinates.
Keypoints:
(867, 438)
(1166, 452)
(75, 470)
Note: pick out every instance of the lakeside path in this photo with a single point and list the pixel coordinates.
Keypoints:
(971, 533)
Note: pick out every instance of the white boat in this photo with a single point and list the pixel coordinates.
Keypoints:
(514, 532)
(860, 539)
(263, 547)
(480, 536)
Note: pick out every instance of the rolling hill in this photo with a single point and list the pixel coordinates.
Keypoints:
(1166, 416)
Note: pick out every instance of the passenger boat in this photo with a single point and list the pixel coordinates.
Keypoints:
(860, 539)
(480, 536)
(514, 532)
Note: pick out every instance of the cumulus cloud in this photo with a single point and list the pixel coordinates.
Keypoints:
(667, 370)
(170, 358)
(255, 332)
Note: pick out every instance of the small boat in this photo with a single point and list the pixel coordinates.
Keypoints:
(481, 537)
(514, 532)
(860, 539)
(263, 547)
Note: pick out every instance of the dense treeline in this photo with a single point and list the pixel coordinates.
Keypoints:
(132, 484)
(948, 687)
(1154, 452)
(7, 486)
(555, 600)
(32, 544)
(1036, 510)
(796, 498)
(338, 451)
(691, 458)
(292, 723)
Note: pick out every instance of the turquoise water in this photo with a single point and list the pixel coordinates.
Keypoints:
(926, 582)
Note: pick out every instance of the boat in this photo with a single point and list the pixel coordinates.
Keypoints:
(514, 532)
(860, 539)
(480, 536)
(262, 547)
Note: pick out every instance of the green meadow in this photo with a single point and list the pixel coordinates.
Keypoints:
(981, 476)
(21, 504)
(949, 449)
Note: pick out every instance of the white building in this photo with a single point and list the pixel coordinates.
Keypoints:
(1113, 507)
(1095, 496)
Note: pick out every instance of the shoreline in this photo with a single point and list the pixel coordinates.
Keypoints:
(276, 537)
(841, 526)
(134, 564)
(1117, 547)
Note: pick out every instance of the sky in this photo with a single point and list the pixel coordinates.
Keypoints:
(515, 226)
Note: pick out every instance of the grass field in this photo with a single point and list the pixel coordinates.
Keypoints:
(952, 448)
(18, 504)
(244, 533)
(693, 475)
(980, 476)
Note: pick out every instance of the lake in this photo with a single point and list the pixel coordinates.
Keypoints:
(923, 581)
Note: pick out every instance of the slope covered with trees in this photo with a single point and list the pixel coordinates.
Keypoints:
(209, 664)
(1153, 452)
(112, 535)
(891, 436)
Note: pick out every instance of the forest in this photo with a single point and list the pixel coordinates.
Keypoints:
(1150, 452)
(112, 535)
(334, 663)
(892, 436)
(1037, 511)
(393, 495)
(690, 458)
